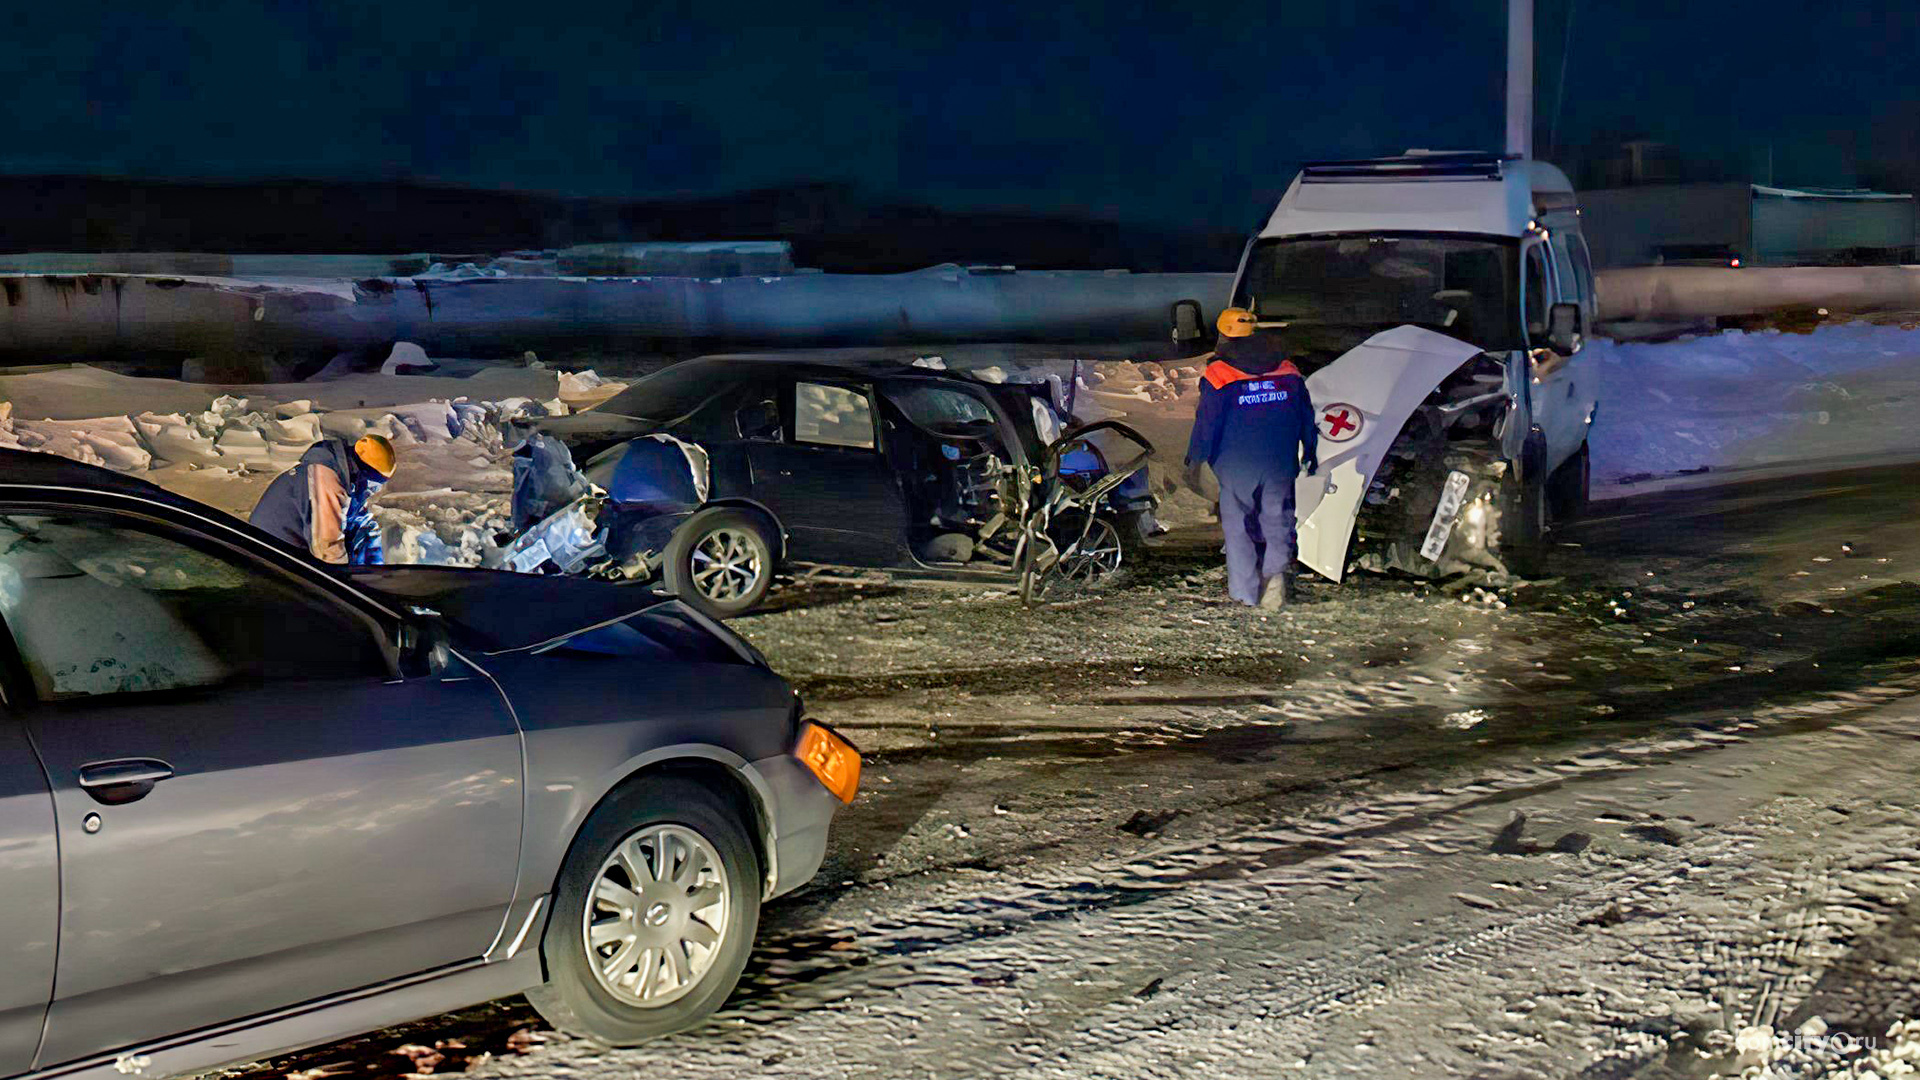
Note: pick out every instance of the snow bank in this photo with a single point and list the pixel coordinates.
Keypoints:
(450, 495)
(1689, 411)
(1741, 400)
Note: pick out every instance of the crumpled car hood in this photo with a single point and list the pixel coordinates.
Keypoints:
(498, 611)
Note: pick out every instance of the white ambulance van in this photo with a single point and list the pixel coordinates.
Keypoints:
(1437, 303)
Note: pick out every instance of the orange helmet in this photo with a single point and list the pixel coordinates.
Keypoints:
(376, 453)
(1235, 322)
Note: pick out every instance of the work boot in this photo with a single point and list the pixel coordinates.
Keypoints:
(1275, 593)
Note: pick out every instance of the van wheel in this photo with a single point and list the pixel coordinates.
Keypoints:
(720, 561)
(1569, 487)
(653, 915)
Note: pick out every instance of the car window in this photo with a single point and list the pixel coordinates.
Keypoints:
(939, 410)
(832, 416)
(1567, 287)
(1538, 293)
(1582, 268)
(99, 604)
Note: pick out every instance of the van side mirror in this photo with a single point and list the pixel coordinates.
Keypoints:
(1188, 326)
(1563, 329)
(1186, 320)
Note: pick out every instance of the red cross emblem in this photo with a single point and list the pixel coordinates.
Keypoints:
(1339, 423)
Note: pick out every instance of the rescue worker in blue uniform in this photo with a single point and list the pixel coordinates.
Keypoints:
(320, 505)
(1257, 427)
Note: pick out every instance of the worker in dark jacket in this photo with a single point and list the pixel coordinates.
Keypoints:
(1256, 426)
(320, 505)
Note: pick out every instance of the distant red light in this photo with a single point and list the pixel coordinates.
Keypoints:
(1735, 262)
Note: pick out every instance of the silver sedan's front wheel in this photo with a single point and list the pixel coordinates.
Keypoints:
(658, 917)
(653, 915)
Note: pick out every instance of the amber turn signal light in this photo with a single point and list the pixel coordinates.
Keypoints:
(831, 758)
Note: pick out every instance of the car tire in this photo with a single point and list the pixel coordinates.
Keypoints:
(651, 991)
(720, 561)
(1569, 487)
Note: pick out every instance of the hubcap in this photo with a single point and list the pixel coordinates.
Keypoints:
(726, 565)
(658, 915)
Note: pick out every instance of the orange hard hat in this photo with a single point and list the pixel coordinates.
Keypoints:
(376, 453)
(1235, 322)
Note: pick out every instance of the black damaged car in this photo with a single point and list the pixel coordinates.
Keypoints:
(721, 472)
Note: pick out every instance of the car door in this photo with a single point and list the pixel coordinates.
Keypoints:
(253, 809)
(827, 481)
(29, 897)
(1552, 380)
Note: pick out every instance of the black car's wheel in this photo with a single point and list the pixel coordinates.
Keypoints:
(1568, 486)
(653, 915)
(720, 561)
(1090, 555)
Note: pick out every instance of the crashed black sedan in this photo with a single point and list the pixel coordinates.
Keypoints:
(718, 473)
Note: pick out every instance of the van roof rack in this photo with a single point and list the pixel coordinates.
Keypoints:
(1446, 165)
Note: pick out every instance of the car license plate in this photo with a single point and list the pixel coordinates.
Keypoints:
(1444, 515)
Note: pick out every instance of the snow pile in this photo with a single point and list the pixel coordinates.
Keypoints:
(110, 442)
(1742, 400)
(584, 390)
(447, 503)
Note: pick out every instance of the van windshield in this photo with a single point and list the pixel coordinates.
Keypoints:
(1335, 291)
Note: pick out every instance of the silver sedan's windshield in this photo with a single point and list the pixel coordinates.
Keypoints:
(1352, 286)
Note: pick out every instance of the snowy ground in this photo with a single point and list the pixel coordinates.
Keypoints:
(1142, 832)
(1739, 401)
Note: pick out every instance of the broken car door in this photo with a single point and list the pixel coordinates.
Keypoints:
(253, 810)
(827, 482)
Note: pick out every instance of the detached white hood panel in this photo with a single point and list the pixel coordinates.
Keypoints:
(1364, 399)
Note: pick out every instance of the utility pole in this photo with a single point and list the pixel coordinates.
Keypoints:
(1520, 78)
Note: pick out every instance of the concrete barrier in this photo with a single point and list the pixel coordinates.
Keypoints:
(79, 315)
(60, 316)
(1657, 293)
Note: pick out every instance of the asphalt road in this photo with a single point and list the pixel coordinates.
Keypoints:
(1112, 751)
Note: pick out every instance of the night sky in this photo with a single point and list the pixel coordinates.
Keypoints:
(1161, 114)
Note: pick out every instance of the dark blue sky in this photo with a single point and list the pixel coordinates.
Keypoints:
(1169, 114)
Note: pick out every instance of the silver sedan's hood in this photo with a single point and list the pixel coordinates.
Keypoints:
(498, 611)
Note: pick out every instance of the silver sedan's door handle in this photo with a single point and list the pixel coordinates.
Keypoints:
(123, 781)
